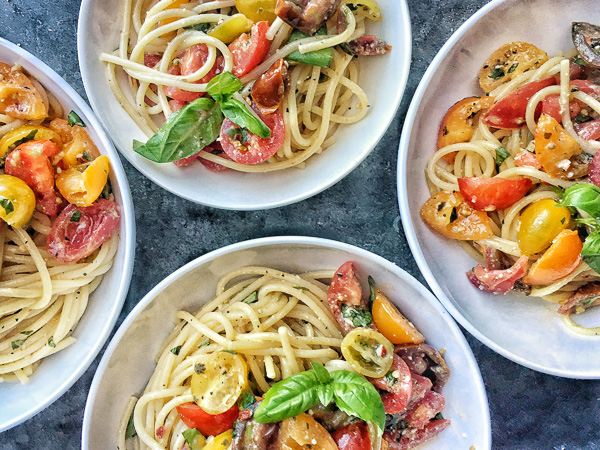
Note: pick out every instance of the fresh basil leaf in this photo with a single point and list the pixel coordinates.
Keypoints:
(301, 288)
(591, 251)
(325, 394)
(87, 156)
(29, 137)
(358, 397)
(199, 27)
(239, 114)
(185, 132)
(252, 298)
(223, 86)
(17, 343)
(581, 118)
(359, 317)
(585, 196)
(438, 416)
(7, 205)
(558, 191)
(192, 436)
(321, 372)
(74, 119)
(289, 397)
(130, 431)
(321, 58)
(501, 155)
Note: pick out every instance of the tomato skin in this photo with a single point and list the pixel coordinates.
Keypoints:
(539, 224)
(354, 436)
(509, 112)
(207, 424)
(269, 89)
(490, 194)
(31, 163)
(562, 258)
(249, 51)
(498, 281)
(523, 158)
(256, 149)
(69, 241)
(397, 395)
(392, 324)
(588, 130)
(595, 169)
(470, 224)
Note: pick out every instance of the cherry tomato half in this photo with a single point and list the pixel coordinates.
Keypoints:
(554, 148)
(490, 194)
(17, 201)
(354, 436)
(344, 290)
(245, 147)
(392, 324)
(78, 231)
(207, 424)
(539, 224)
(562, 258)
(249, 51)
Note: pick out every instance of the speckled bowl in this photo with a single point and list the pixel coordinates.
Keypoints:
(99, 28)
(524, 329)
(58, 372)
(129, 360)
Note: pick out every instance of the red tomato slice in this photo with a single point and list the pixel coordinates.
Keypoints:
(595, 169)
(399, 392)
(551, 105)
(70, 240)
(431, 404)
(527, 159)
(31, 163)
(490, 194)
(354, 436)
(151, 59)
(214, 148)
(497, 281)
(344, 289)
(589, 130)
(249, 51)
(509, 113)
(254, 150)
(413, 437)
(190, 60)
(207, 424)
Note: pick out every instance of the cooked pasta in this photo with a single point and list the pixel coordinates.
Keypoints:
(318, 99)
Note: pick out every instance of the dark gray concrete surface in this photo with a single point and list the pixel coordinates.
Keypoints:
(529, 410)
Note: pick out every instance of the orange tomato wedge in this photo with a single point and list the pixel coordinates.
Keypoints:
(392, 324)
(561, 259)
(554, 148)
(303, 432)
(82, 185)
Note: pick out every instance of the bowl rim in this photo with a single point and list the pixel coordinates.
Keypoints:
(406, 216)
(273, 241)
(127, 218)
(258, 204)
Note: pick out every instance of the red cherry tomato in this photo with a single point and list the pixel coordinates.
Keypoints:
(551, 105)
(245, 147)
(490, 194)
(71, 239)
(399, 391)
(249, 51)
(31, 163)
(207, 424)
(190, 60)
(344, 289)
(509, 113)
(354, 436)
(527, 159)
(589, 130)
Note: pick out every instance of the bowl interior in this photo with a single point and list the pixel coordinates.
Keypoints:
(129, 361)
(99, 29)
(58, 372)
(526, 330)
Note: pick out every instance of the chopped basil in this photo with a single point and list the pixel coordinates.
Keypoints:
(204, 343)
(391, 379)
(75, 216)
(438, 416)
(7, 205)
(233, 352)
(87, 156)
(27, 333)
(359, 317)
(301, 288)
(501, 155)
(130, 432)
(252, 298)
(29, 137)
(513, 67)
(199, 27)
(17, 343)
(578, 60)
(246, 400)
(107, 190)
(51, 342)
(238, 134)
(176, 350)
(453, 215)
(192, 436)
(371, 288)
(496, 73)
(581, 118)
(74, 119)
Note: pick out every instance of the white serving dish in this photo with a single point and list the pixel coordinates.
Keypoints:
(383, 78)
(524, 329)
(129, 360)
(58, 372)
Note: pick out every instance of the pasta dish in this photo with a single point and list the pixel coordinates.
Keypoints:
(278, 360)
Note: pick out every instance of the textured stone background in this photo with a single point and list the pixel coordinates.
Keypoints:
(528, 409)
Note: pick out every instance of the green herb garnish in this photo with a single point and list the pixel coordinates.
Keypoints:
(74, 119)
(176, 350)
(7, 205)
(76, 216)
(360, 317)
(501, 155)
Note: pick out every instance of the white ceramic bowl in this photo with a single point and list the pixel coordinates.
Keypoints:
(129, 360)
(383, 78)
(526, 330)
(58, 372)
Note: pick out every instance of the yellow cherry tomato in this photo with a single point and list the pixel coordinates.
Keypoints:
(17, 201)
(257, 10)
(370, 5)
(392, 324)
(301, 432)
(220, 442)
(369, 352)
(19, 97)
(219, 383)
(12, 139)
(539, 224)
(231, 28)
(561, 259)
(554, 148)
(82, 185)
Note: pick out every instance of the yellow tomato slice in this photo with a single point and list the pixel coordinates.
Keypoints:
(13, 138)
(231, 28)
(257, 10)
(369, 352)
(82, 185)
(555, 147)
(17, 201)
(304, 433)
(561, 259)
(392, 324)
(220, 442)
(220, 382)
